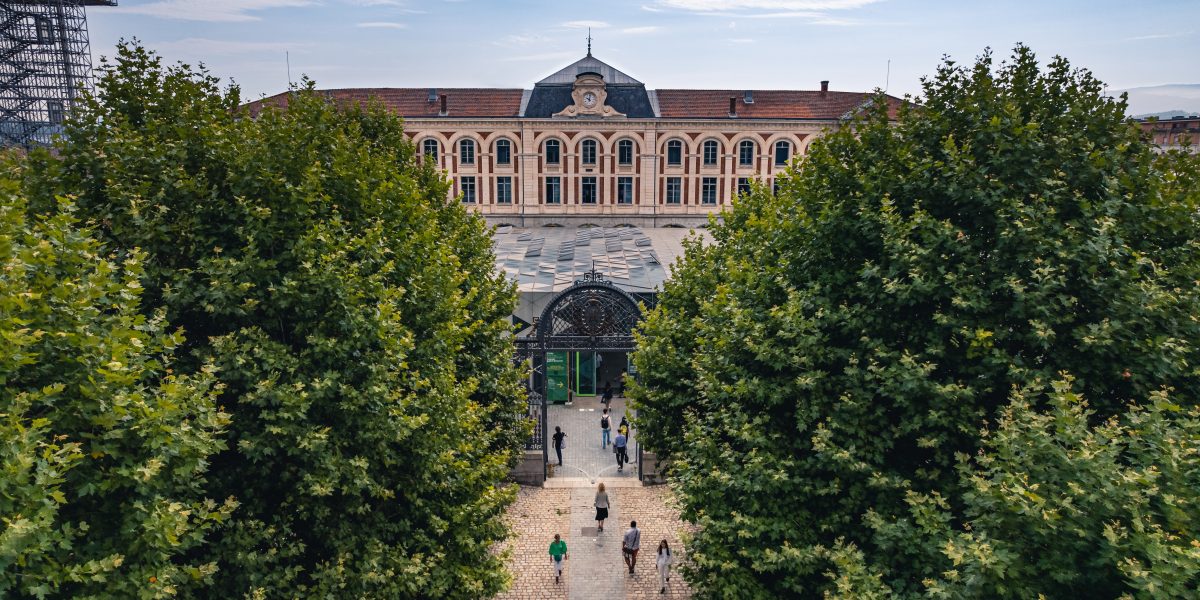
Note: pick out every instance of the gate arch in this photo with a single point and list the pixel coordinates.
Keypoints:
(591, 315)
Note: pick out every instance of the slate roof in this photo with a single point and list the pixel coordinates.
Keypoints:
(589, 64)
(629, 100)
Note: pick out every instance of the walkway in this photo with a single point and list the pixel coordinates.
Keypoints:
(583, 457)
(595, 568)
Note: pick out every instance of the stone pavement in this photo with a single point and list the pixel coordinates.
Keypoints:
(595, 569)
(583, 456)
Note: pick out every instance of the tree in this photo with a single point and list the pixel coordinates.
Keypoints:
(354, 315)
(837, 349)
(105, 451)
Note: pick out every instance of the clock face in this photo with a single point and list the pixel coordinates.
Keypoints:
(589, 99)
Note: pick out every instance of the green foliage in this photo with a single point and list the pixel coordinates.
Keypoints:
(818, 371)
(103, 451)
(354, 315)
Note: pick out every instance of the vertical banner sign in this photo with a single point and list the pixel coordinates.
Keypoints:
(556, 376)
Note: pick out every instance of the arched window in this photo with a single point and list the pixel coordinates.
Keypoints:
(429, 148)
(553, 152)
(746, 153)
(625, 152)
(466, 152)
(503, 152)
(783, 152)
(674, 152)
(711, 149)
(587, 152)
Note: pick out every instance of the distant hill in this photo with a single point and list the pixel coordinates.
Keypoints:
(1179, 99)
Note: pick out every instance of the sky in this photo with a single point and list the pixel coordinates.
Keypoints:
(703, 44)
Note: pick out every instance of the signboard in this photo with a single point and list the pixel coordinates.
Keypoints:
(556, 376)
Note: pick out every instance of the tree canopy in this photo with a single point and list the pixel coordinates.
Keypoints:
(352, 316)
(955, 355)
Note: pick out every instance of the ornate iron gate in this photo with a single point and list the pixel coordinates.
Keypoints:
(591, 315)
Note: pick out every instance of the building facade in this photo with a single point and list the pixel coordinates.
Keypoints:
(1175, 133)
(590, 145)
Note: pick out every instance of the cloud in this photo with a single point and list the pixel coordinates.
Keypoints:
(1158, 36)
(771, 5)
(547, 56)
(209, 10)
(740, 40)
(522, 39)
(585, 24)
(383, 25)
(207, 47)
(641, 30)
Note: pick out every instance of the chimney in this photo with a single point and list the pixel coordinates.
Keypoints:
(733, 106)
(445, 111)
(824, 87)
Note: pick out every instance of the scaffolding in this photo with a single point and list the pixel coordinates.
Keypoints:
(45, 63)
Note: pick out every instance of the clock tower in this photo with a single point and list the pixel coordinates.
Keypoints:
(589, 98)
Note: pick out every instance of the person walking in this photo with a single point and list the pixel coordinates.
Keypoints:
(630, 544)
(558, 554)
(605, 424)
(560, 442)
(601, 505)
(619, 449)
(664, 562)
(608, 394)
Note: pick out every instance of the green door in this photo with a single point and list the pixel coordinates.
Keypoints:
(585, 373)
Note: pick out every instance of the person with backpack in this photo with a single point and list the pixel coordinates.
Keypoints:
(605, 424)
(608, 394)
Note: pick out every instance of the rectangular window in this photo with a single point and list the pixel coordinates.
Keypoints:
(624, 190)
(708, 191)
(589, 152)
(746, 154)
(783, 153)
(504, 190)
(674, 152)
(588, 191)
(710, 153)
(552, 152)
(553, 190)
(55, 109)
(674, 190)
(743, 185)
(503, 152)
(468, 189)
(775, 186)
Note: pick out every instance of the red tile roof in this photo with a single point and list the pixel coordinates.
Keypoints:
(768, 104)
(414, 102)
(678, 104)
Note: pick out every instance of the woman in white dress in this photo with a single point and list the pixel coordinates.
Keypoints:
(665, 560)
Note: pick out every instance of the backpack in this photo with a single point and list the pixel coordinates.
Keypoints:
(603, 422)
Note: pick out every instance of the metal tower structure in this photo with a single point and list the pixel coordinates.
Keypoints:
(45, 63)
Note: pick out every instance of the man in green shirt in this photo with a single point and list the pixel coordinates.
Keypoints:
(558, 552)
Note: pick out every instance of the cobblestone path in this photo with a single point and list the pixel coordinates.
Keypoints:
(595, 569)
(583, 457)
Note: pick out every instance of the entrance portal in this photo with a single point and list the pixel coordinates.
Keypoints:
(580, 342)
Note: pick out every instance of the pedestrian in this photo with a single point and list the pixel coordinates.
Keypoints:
(619, 449)
(601, 505)
(630, 544)
(664, 562)
(621, 384)
(558, 553)
(560, 442)
(623, 428)
(605, 424)
(608, 394)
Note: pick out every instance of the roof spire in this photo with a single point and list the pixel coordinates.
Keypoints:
(589, 41)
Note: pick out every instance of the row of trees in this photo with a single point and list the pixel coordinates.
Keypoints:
(955, 356)
(246, 357)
